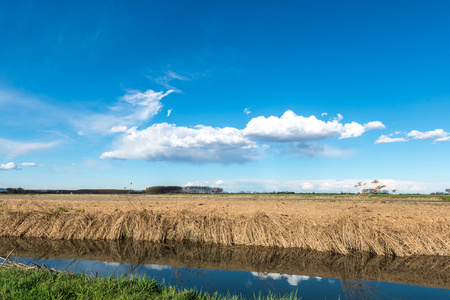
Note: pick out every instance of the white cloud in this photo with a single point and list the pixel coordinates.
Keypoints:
(374, 125)
(167, 142)
(293, 280)
(157, 267)
(111, 264)
(165, 80)
(443, 139)
(134, 108)
(9, 166)
(438, 134)
(207, 144)
(324, 114)
(434, 134)
(274, 276)
(384, 139)
(116, 129)
(351, 130)
(13, 166)
(210, 183)
(13, 148)
(247, 111)
(28, 164)
(291, 127)
(307, 186)
(147, 104)
(169, 111)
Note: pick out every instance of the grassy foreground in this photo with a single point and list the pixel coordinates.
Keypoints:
(16, 283)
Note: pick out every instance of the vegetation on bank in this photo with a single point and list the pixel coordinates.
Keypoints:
(213, 190)
(129, 190)
(408, 196)
(16, 283)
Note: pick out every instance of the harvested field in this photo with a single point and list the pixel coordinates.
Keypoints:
(340, 224)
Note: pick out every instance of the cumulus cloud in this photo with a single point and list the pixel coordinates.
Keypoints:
(219, 182)
(443, 139)
(133, 109)
(384, 139)
(14, 166)
(167, 142)
(351, 130)
(291, 127)
(9, 166)
(439, 135)
(434, 134)
(13, 148)
(374, 125)
(307, 186)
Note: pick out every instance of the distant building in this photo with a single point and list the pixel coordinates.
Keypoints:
(374, 191)
(447, 191)
(202, 190)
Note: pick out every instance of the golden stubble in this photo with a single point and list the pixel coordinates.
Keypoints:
(339, 224)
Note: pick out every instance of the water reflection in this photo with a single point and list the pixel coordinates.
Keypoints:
(246, 270)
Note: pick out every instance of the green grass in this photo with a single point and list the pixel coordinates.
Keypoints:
(16, 283)
(407, 196)
(444, 197)
(61, 209)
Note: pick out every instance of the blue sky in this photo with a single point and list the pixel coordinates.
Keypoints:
(247, 95)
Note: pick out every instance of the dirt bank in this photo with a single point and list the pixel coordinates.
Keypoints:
(340, 225)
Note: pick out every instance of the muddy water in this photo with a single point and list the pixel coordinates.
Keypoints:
(246, 270)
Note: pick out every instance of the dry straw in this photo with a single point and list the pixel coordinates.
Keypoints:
(273, 221)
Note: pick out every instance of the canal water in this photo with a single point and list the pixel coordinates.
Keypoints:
(248, 271)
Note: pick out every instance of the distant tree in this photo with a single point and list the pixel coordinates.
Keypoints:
(163, 190)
